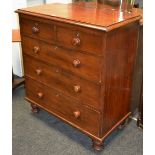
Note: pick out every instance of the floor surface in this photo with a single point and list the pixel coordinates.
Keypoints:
(44, 134)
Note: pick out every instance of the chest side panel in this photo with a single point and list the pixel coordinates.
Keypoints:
(120, 56)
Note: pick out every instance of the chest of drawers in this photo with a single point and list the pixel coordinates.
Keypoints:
(78, 64)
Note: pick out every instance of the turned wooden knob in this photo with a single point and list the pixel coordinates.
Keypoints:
(38, 71)
(40, 95)
(76, 63)
(57, 95)
(77, 89)
(36, 49)
(56, 47)
(76, 41)
(35, 29)
(76, 114)
(57, 70)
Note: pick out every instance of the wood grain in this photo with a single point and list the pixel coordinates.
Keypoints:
(119, 61)
(103, 16)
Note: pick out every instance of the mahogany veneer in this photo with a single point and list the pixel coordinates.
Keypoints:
(78, 61)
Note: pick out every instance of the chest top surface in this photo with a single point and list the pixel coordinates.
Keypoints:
(88, 14)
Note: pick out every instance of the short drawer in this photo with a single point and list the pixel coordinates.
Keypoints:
(81, 64)
(67, 108)
(55, 77)
(36, 29)
(86, 40)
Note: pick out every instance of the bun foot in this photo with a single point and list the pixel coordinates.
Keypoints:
(97, 145)
(35, 108)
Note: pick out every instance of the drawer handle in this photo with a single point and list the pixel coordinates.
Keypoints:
(38, 71)
(40, 95)
(76, 63)
(35, 29)
(76, 114)
(77, 89)
(36, 49)
(76, 41)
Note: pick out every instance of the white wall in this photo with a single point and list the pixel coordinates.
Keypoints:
(58, 1)
(16, 48)
(35, 2)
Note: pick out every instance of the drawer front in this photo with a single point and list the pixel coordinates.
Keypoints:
(91, 41)
(55, 77)
(37, 29)
(67, 108)
(83, 65)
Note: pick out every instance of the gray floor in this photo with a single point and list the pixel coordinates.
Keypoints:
(43, 134)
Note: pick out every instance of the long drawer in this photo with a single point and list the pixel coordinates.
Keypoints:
(56, 77)
(81, 64)
(67, 108)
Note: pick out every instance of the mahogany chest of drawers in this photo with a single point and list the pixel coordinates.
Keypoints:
(78, 62)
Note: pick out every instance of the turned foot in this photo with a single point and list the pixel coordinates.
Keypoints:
(35, 108)
(97, 145)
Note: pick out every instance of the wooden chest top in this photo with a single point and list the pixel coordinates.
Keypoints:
(93, 15)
